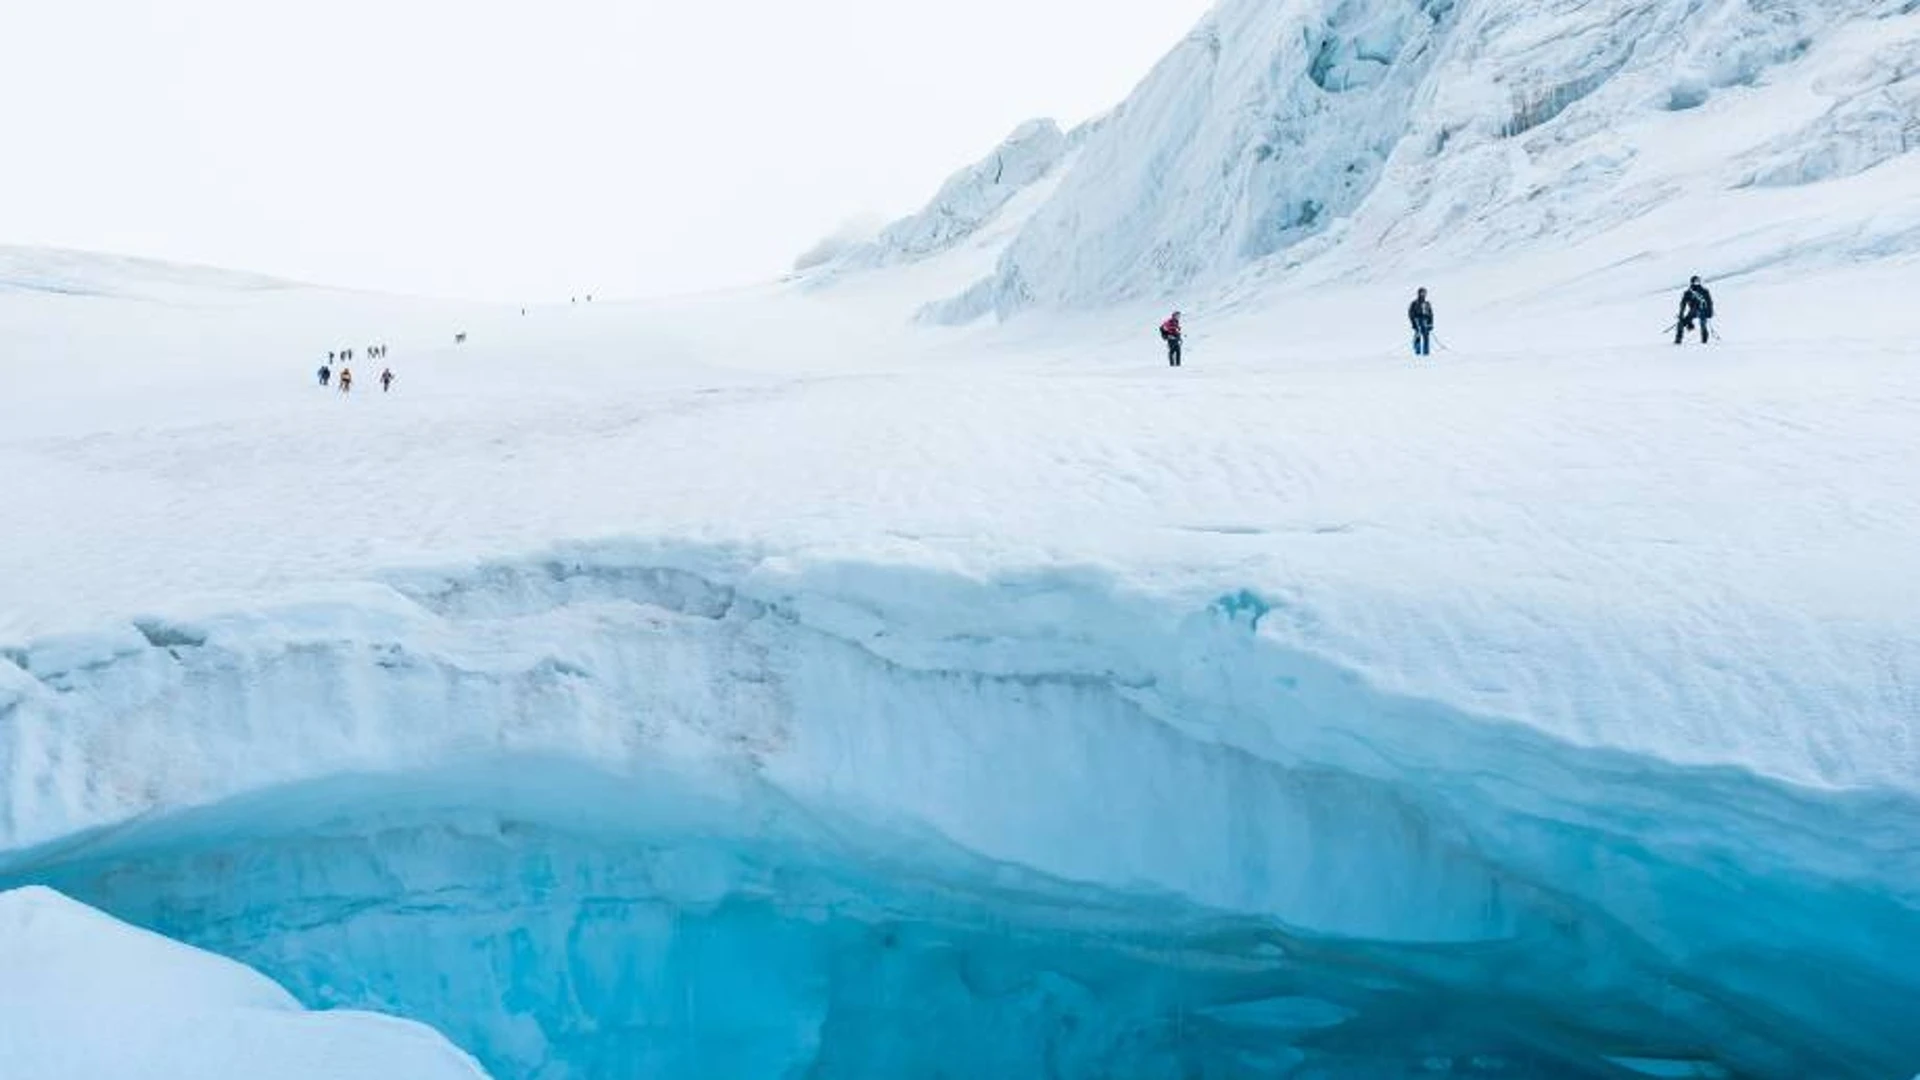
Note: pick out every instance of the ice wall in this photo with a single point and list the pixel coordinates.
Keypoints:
(600, 818)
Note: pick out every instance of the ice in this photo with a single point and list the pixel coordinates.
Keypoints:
(972, 197)
(1427, 128)
(771, 684)
(594, 817)
(85, 997)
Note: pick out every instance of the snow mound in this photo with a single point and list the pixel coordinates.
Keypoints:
(86, 997)
(78, 273)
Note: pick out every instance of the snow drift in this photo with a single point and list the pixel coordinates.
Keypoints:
(84, 997)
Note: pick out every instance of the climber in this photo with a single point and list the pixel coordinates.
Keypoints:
(1420, 313)
(386, 380)
(1170, 333)
(1695, 303)
(346, 380)
(325, 373)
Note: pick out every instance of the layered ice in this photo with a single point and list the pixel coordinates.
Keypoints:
(594, 817)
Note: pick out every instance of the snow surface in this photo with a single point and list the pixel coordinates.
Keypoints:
(85, 997)
(755, 684)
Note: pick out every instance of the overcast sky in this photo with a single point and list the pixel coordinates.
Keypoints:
(531, 149)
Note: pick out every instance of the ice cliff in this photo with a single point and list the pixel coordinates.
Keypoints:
(599, 818)
(1379, 135)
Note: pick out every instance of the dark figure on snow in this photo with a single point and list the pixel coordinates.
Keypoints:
(346, 380)
(386, 380)
(1696, 304)
(326, 373)
(1170, 333)
(1420, 313)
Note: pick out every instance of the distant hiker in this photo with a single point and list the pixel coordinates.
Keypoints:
(325, 374)
(329, 358)
(1420, 313)
(346, 380)
(459, 339)
(386, 380)
(1170, 333)
(1695, 304)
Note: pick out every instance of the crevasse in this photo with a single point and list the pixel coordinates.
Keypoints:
(593, 817)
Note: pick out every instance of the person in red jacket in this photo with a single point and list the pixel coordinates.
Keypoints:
(1170, 333)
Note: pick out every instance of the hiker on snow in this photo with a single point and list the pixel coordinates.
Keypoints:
(1170, 333)
(1420, 313)
(346, 380)
(325, 374)
(386, 380)
(1695, 303)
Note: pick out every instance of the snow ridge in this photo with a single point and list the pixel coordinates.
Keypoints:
(969, 200)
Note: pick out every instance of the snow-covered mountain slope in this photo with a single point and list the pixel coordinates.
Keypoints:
(85, 997)
(1372, 139)
(759, 685)
(971, 198)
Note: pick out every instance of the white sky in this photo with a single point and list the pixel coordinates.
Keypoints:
(531, 149)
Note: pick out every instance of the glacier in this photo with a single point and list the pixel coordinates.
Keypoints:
(1314, 141)
(827, 680)
(596, 817)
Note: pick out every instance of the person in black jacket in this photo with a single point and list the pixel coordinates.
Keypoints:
(1696, 304)
(1420, 313)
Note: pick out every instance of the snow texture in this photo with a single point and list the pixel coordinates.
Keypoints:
(85, 997)
(772, 684)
